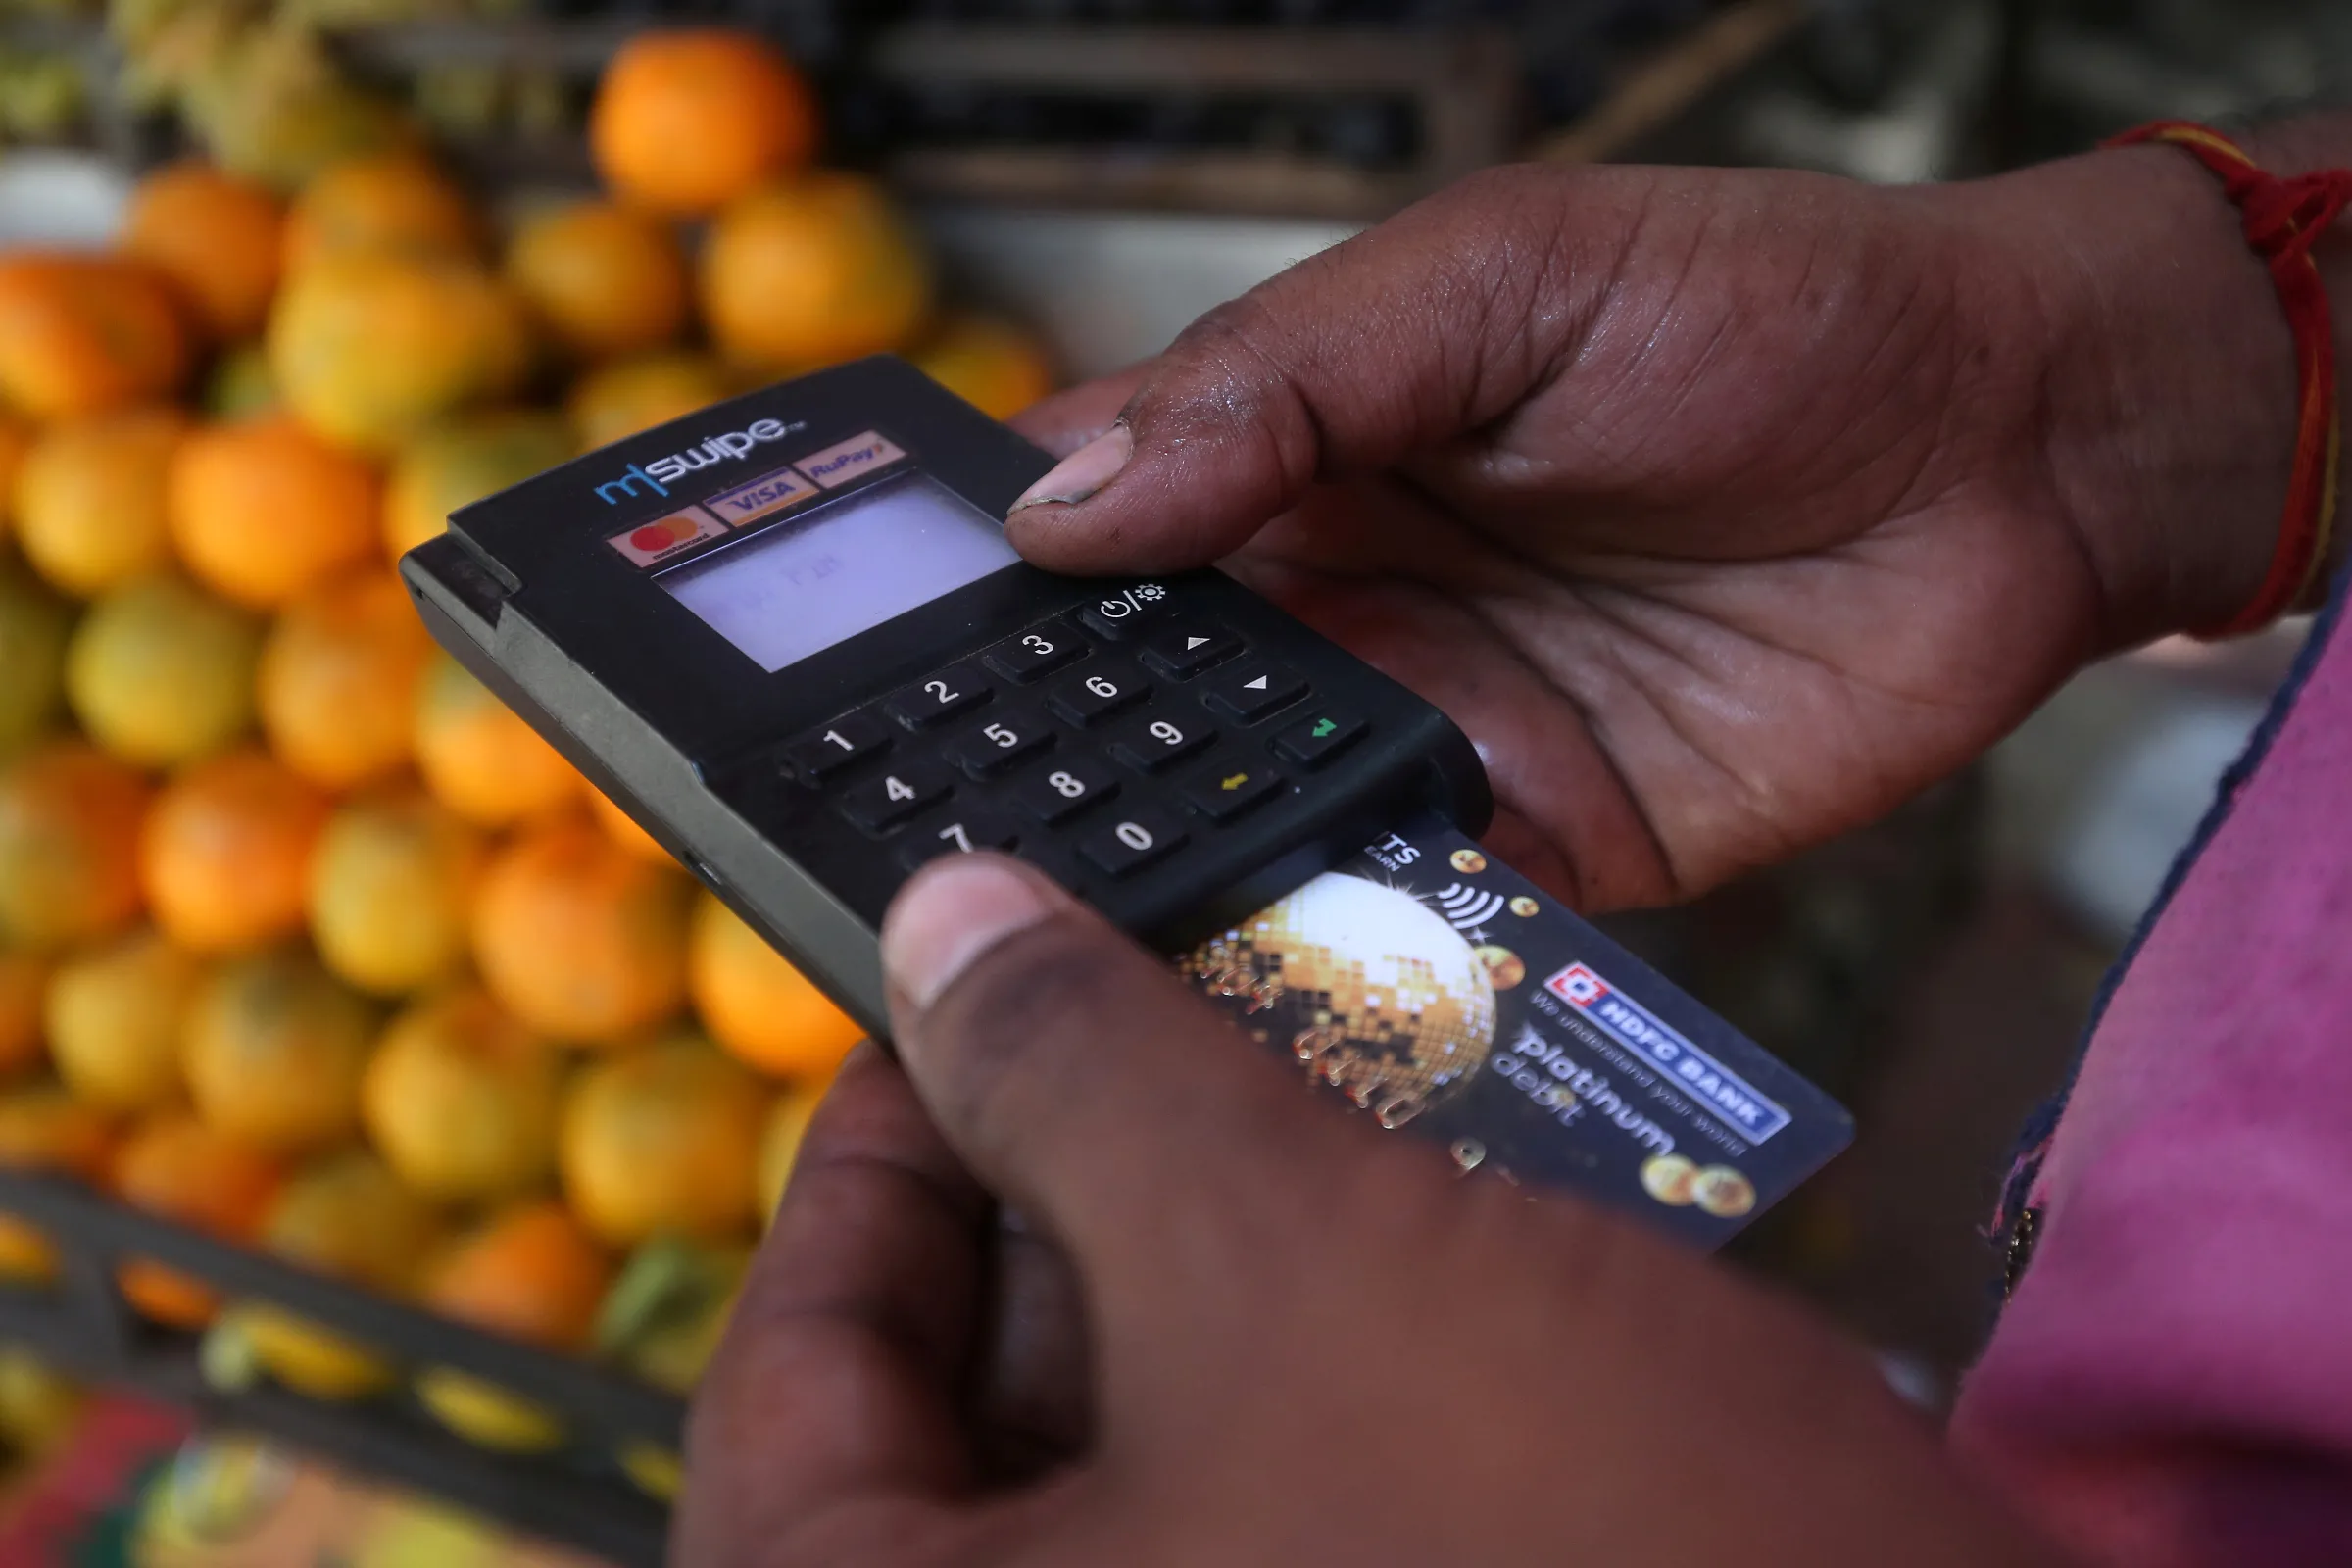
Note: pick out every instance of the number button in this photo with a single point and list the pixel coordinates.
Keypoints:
(957, 832)
(1320, 738)
(1256, 690)
(1132, 842)
(1091, 698)
(1014, 734)
(848, 740)
(1057, 793)
(954, 690)
(882, 803)
(1227, 791)
(1188, 647)
(1155, 742)
(1035, 653)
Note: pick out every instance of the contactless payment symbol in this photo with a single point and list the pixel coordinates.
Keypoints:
(665, 537)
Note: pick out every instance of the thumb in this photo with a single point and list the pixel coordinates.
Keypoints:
(1432, 325)
(1080, 1080)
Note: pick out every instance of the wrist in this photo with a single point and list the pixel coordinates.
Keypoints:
(2168, 383)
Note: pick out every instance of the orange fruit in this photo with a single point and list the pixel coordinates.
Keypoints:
(626, 396)
(780, 1145)
(24, 984)
(16, 439)
(263, 510)
(685, 121)
(227, 851)
(337, 686)
(992, 364)
(34, 626)
(83, 333)
(391, 889)
(759, 1008)
(238, 386)
(459, 461)
(581, 938)
(461, 1100)
(175, 1167)
(348, 1216)
(160, 672)
(531, 1273)
(622, 829)
(217, 238)
(45, 1129)
(479, 760)
(89, 498)
(273, 1052)
(601, 280)
(115, 1014)
(371, 347)
(69, 846)
(812, 273)
(664, 1140)
(391, 201)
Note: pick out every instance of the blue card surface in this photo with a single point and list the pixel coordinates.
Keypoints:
(1437, 991)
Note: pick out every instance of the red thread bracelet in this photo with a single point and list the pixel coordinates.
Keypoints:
(2282, 219)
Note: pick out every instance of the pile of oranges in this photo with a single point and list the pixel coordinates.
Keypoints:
(304, 940)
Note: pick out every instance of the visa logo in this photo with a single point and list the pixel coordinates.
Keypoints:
(1701, 1075)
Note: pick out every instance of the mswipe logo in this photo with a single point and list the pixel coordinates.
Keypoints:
(1636, 1027)
(656, 477)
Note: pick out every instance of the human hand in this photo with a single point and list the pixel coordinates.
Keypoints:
(1305, 1341)
(1724, 510)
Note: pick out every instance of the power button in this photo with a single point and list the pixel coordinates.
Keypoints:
(1115, 616)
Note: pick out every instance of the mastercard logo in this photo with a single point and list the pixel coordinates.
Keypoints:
(649, 542)
(655, 536)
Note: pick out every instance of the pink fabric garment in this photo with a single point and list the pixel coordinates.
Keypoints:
(2171, 1384)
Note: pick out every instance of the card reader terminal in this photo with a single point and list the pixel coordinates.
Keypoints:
(788, 637)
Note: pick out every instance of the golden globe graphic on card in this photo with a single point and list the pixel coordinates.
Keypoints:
(1442, 996)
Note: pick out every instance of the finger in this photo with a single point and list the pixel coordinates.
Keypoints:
(1069, 420)
(839, 1372)
(1032, 1403)
(1429, 326)
(1083, 1081)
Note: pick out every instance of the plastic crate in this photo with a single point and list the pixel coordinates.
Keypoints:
(578, 1497)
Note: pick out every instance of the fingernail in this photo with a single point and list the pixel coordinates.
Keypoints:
(951, 916)
(1084, 471)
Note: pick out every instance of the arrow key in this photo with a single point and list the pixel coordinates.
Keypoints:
(1231, 788)
(1251, 691)
(1186, 649)
(1322, 735)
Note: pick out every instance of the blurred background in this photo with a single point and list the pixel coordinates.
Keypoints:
(383, 1126)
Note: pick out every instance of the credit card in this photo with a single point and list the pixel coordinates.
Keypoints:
(1433, 990)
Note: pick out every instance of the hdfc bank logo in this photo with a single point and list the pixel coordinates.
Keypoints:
(1578, 985)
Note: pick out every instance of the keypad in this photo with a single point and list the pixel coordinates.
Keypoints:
(1231, 790)
(1064, 787)
(1037, 654)
(928, 703)
(1134, 841)
(1110, 687)
(1011, 737)
(1318, 738)
(1252, 690)
(1157, 741)
(955, 831)
(905, 788)
(1051, 745)
(849, 740)
(1184, 649)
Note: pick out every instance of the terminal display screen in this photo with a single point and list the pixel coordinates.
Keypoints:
(840, 570)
